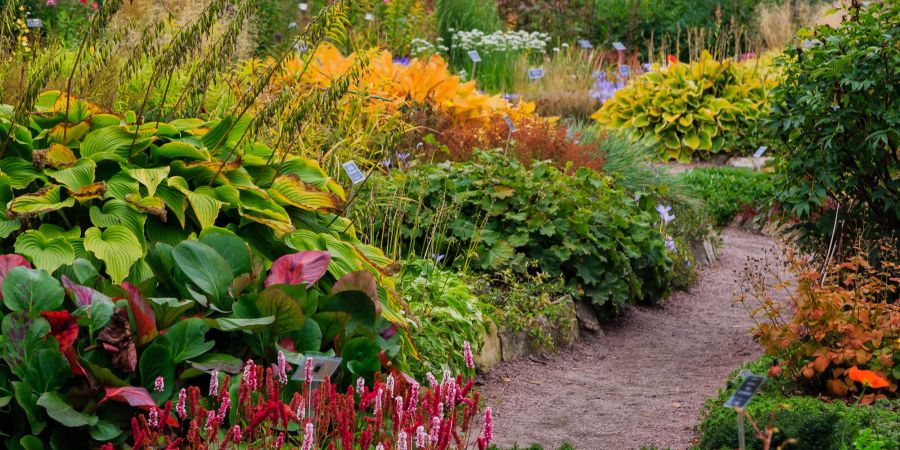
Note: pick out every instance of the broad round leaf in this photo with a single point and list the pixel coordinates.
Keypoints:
(203, 267)
(45, 252)
(31, 290)
(117, 246)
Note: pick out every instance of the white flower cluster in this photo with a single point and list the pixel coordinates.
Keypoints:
(421, 46)
(501, 41)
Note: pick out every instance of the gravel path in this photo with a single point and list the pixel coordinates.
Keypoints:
(645, 381)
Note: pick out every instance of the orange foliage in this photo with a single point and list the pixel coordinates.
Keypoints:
(828, 329)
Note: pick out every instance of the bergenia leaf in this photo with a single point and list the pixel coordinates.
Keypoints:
(298, 268)
(137, 397)
(83, 295)
(7, 262)
(144, 318)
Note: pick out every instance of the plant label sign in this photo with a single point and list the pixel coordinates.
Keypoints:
(585, 44)
(370, 17)
(303, 6)
(34, 23)
(748, 388)
(624, 70)
(352, 171)
(510, 124)
(535, 74)
(620, 47)
(760, 152)
(322, 368)
(474, 56)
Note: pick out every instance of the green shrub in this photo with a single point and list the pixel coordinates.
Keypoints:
(693, 110)
(494, 213)
(727, 191)
(447, 314)
(813, 422)
(836, 112)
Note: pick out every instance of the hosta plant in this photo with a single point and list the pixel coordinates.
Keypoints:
(693, 110)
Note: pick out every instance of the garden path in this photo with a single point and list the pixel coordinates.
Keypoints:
(644, 382)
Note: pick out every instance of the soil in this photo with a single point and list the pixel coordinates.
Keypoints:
(642, 383)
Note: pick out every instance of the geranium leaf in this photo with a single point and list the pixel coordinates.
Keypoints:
(117, 247)
(47, 253)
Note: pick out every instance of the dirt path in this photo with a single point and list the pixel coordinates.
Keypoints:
(645, 381)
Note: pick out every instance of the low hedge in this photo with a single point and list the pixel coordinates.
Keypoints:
(814, 423)
(728, 191)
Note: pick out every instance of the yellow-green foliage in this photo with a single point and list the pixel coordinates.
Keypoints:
(694, 110)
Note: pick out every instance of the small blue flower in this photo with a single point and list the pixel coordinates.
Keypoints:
(670, 244)
(664, 213)
(687, 262)
(401, 61)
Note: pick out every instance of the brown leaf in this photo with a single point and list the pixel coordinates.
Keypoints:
(116, 339)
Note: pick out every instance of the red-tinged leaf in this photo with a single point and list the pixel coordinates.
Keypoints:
(7, 262)
(361, 280)
(144, 319)
(64, 328)
(83, 294)
(304, 267)
(137, 397)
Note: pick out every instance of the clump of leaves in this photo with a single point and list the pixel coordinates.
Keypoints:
(844, 318)
(693, 110)
(727, 191)
(836, 112)
(494, 213)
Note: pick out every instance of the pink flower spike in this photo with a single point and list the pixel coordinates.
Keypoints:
(309, 369)
(360, 384)
(179, 407)
(153, 420)
(402, 443)
(467, 351)
(282, 368)
(308, 437)
(214, 383)
(160, 384)
(390, 385)
(421, 437)
(236, 434)
(250, 375)
(488, 432)
(279, 442)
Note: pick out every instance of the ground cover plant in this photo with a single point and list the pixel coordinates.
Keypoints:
(493, 213)
(840, 92)
(693, 110)
(728, 192)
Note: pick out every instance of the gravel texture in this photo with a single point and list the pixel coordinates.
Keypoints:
(644, 382)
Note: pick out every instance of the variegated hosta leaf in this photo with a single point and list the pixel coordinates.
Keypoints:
(21, 173)
(89, 192)
(113, 143)
(202, 172)
(116, 246)
(58, 156)
(65, 134)
(45, 252)
(149, 205)
(205, 207)
(75, 177)
(310, 172)
(180, 150)
(259, 208)
(150, 178)
(291, 190)
(43, 201)
(175, 201)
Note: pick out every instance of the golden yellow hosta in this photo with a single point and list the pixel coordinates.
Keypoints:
(390, 86)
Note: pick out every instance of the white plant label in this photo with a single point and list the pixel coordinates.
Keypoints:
(352, 171)
(535, 74)
(625, 70)
(585, 44)
(34, 23)
(760, 152)
(510, 124)
(620, 47)
(370, 17)
(474, 56)
(303, 6)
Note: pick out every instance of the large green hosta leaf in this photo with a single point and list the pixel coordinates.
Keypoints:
(173, 150)
(117, 212)
(79, 175)
(43, 201)
(113, 143)
(150, 178)
(21, 173)
(205, 207)
(117, 246)
(45, 252)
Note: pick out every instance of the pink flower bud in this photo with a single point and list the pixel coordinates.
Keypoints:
(467, 352)
(179, 407)
(308, 437)
(214, 383)
(159, 385)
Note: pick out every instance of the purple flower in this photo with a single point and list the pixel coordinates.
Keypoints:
(402, 61)
(664, 213)
(670, 244)
(687, 262)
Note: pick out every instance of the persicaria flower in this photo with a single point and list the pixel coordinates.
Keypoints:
(153, 420)
(308, 437)
(214, 382)
(250, 375)
(236, 435)
(210, 423)
(402, 443)
(421, 437)
(378, 400)
(279, 442)
(179, 407)
(379, 447)
(467, 351)
(309, 369)
(431, 379)
(360, 384)
(390, 385)
(223, 408)
(488, 431)
(159, 384)
(282, 368)
(435, 430)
